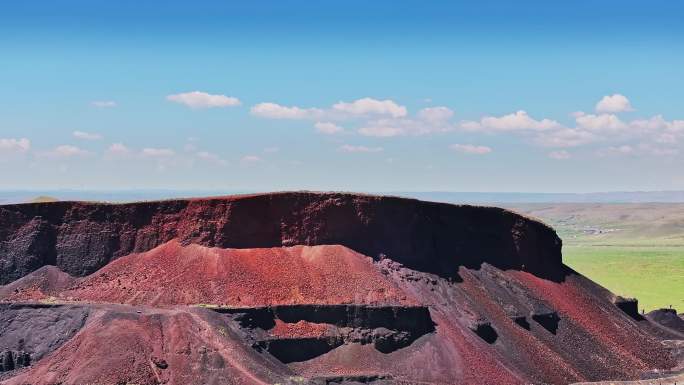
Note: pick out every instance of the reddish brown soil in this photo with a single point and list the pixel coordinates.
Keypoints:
(173, 274)
(42, 284)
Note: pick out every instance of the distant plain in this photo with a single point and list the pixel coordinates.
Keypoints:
(633, 249)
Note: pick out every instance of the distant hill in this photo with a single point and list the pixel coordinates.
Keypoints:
(43, 199)
(519, 197)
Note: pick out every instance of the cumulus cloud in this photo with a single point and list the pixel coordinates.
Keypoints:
(657, 150)
(564, 137)
(350, 148)
(559, 155)
(212, 158)
(676, 126)
(401, 127)
(642, 149)
(387, 118)
(250, 159)
(616, 150)
(341, 110)
(13, 145)
(370, 106)
(607, 127)
(86, 135)
(470, 149)
(328, 128)
(68, 151)
(197, 99)
(103, 103)
(657, 123)
(276, 111)
(650, 124)
(601, 122)
(118, 149)
(666, 138)
(384, 129)
(157, 152)
(517, 121)
(435, 114)
(613, 103)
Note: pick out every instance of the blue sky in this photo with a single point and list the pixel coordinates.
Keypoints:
(532, 96)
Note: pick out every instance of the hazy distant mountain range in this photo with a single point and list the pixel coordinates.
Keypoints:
(515, 197)
(22, 196)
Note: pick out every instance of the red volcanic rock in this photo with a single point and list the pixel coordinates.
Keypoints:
(80, 238)
(311, 288)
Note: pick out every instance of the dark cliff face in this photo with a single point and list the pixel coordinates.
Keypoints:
(80, 238)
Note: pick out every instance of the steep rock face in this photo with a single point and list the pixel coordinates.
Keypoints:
(80, 238)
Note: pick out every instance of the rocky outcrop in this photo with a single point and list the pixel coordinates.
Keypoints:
(629, 306)
(80, 237)
(13, 359)
(669, 319)
(28, 332)
(387, 328)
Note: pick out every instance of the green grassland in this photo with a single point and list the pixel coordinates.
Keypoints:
(634, 250)
(653, 274)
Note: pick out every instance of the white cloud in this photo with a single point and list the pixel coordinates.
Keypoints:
(86, 135)
(658, 150)
(197, 99)
(103, 103)
(387, 118)
(657, 123)
(250, 159)
(350, 148)
(118, 149)
(435, 114)
(471, 149)
(559, 155)
(517, 121)
(213, 158)
(400, 127)
(564, 137)
(616, 150)
(650, 124)
(613, 103)
(643, 149)
(601, 122)
(276, 111)
(370, 106)
(676, 126)
(13, 145)
(68, 151)
(328, 128)
(157, 152)
(383, 129)
(666, 138)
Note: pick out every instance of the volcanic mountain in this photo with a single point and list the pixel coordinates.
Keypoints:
(318, 288)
